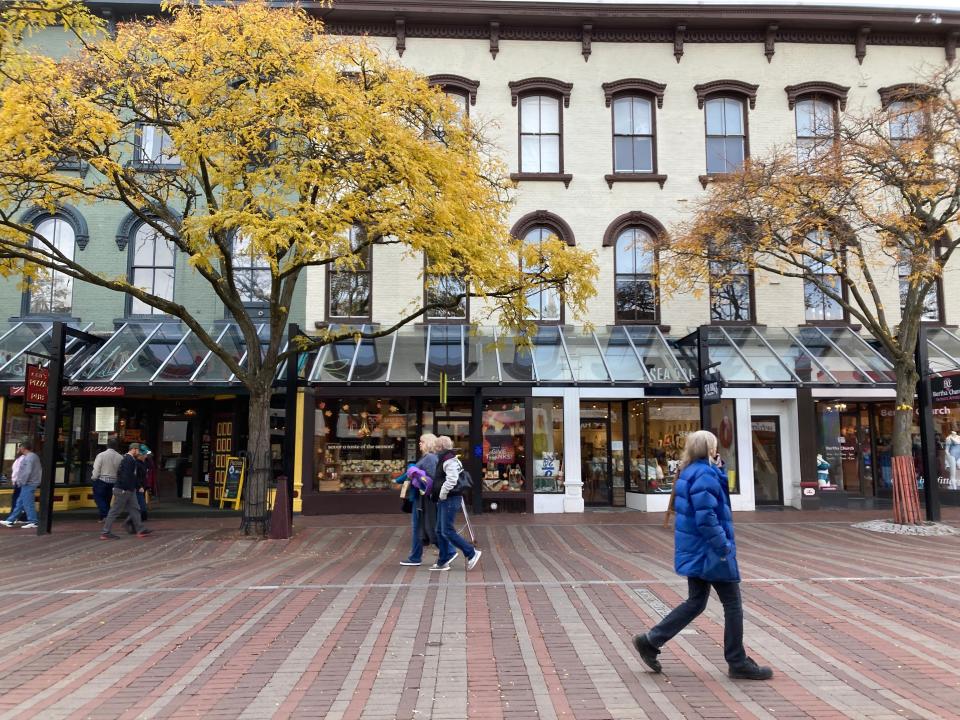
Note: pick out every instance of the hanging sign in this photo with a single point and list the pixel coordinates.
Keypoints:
(710, 388)
(233, 482)
(35, 390)
(945, 388)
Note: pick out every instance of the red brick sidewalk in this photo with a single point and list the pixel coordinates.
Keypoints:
(191, 623)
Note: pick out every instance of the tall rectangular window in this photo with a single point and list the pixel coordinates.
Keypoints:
(539, 134)
(251, 273)
(816, 128)
(154, 146)
(349, 288)
(731, 292)
(906, 120)
(821, 277)
(906, 270)
(152, 268)
(632, 135)
(635, 277)
(444, 288)
(543, 303)
(726, 134)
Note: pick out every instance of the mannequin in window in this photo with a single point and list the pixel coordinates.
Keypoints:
(952, 446)
(823, 471)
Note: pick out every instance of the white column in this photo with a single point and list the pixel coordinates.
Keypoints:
(573, 483)
(746, 500)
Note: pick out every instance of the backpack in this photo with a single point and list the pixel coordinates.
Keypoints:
(464, 481)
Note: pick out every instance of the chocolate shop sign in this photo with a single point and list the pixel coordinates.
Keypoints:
(945, 388)
(78, 391)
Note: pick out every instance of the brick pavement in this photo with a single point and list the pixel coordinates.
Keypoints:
(193, 622)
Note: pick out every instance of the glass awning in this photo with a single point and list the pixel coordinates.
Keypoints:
(168, 353)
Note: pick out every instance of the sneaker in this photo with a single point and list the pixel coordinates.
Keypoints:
(447, 563)
(439, 568)
(472, 562)
(750, 671)
(30, 526)
(108, 536)
(411, 563)
(144, 533)
(648, 653)
(6, 523)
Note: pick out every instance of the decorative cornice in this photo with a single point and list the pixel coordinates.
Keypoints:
(769, 43)
(903, 91)
(861, 45)
(633, 219)
(401, 29)
(678, 36)
(818, 87)
(733, 87)
(81, 234)
(540, 84)
(547, 219)
(634, 85)
(457, 82)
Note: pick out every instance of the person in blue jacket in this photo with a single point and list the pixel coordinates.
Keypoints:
(706, 553)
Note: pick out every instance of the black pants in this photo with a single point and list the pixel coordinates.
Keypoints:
(698, 592)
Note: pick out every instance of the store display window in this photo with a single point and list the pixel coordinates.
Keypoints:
(547, 445)
(362, 444)
(504, 450)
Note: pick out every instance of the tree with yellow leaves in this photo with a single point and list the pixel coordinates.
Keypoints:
(880, 196)
(280, 148)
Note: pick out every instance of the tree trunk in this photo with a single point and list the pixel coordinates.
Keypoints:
(906, 504)
(255, 511)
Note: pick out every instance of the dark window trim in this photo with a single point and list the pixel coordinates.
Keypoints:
(458, 84)
(148, 165)
(904, 92)
(131, 249)
(741, 98)
(655, 102)
(545, 219)
(348, 319)
(547, 87)
(726, 88)
(649, 224)
(442, 321)
(817, 87)
(70, 215)
(634, 86)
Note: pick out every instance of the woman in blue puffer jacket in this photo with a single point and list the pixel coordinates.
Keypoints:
(706, 553)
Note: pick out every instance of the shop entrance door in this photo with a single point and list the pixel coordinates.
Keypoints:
(453, 420)
(856, 450)
(595, 466)
(767, 467)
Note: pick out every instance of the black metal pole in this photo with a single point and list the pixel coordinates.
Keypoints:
(290, 422)
(51, 426)
(703, 367)
(928, 440)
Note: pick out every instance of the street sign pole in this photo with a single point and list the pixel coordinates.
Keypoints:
(51, 426)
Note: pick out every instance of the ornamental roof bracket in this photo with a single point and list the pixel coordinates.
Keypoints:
(678, 34)
(770, 41)
(861, 51)
(586, 37)
(401, 26)
(494, 39)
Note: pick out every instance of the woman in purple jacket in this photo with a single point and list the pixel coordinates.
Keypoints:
(706, 553)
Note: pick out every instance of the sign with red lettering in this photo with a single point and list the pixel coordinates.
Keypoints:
(35, 390)
(78, 391)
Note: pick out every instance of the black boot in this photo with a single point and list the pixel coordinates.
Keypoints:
(749, 670)
(648, 653)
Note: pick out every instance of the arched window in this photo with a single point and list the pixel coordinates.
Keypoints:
(50, 292)
(251, 273)
(635, 268)
(152, 267)
(543, 305)
(349, 289)
(820, 261)
(817, 107)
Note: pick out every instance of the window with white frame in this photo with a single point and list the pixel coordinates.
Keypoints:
(540, 135)
(50, 292)
(152, 267)
(816, 127)
(349, 288)
(635, 277)
(251, 273)
(633, 134)
(911, 271)
(822, 284)
(726, 133)
(154, 147)
(444, 289)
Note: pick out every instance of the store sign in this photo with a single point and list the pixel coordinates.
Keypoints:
(78, 391)
(710, 389)
(35, 390)
(945, 388)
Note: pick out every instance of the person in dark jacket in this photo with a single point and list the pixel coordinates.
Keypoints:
(706, 553)
(125, 495)
(423, 517)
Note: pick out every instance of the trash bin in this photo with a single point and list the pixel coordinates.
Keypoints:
(809, 496)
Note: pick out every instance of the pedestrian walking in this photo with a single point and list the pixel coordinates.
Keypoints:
(105, 467)
(449, 502)
(125, 496)
(423, 515)
(26, 475)
(706, 553)
(14, 472)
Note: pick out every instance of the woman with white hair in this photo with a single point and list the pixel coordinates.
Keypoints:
(706, 553)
